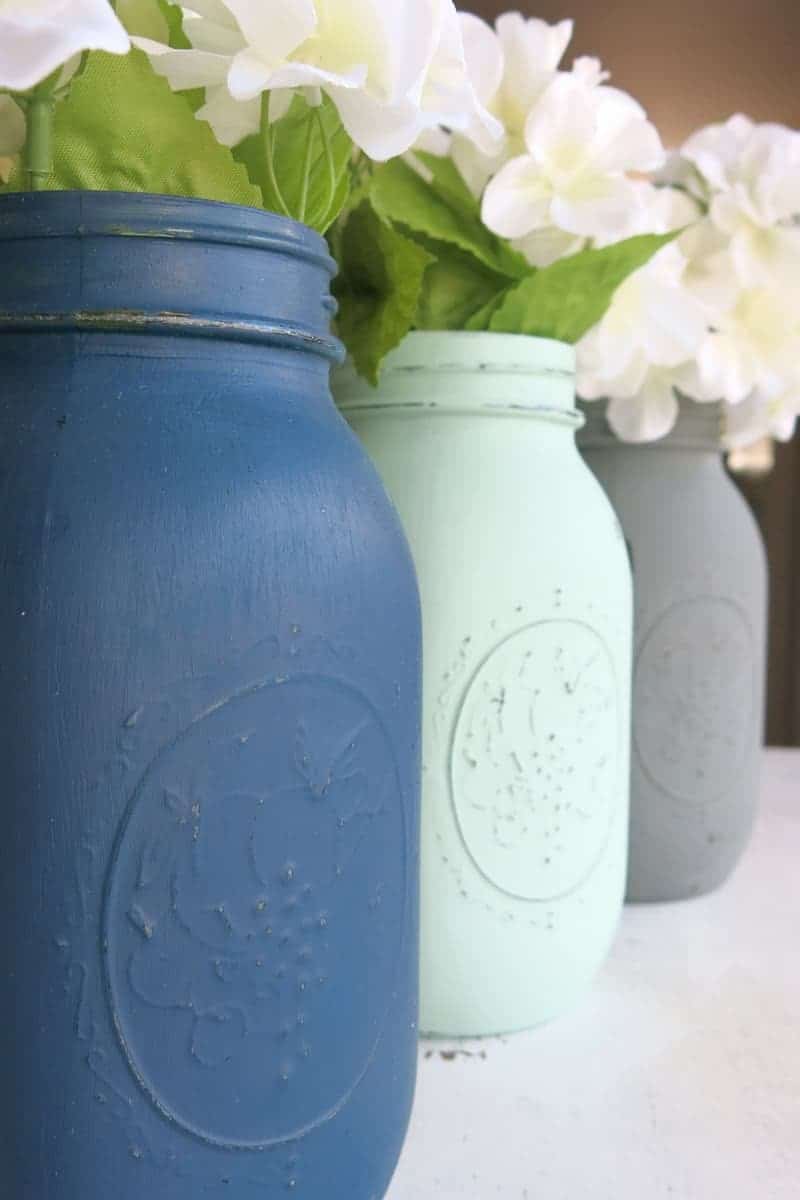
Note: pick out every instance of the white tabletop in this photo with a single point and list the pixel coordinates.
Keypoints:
(677, 1078)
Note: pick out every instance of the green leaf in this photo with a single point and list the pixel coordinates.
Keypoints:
(403, 197)
(159, 20)
(122, 128)
(378, 288)
(565, 300)
(145, 18)
(173, 15)
(310, 176)
(481, 321)
(456, 291)
(450, 184)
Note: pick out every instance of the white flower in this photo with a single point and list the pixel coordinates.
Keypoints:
(511, 67)
(752, 347)
(531, 53)
(582, 140)
(216, 39)
(643, 348)
(762, 415)
(652, 210)
(714, 151)
(658, 209)
(39, 36)
(391, 69)
(752, 174)
(458, 80)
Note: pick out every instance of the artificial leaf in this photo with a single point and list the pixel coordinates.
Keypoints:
(400, 195)
(565, 300)
(122, 128)
(145, 18)
(457, 289)
(173, 15)
(159, 20)
(481, 321)
(378, 289)
(308, 177)
(450, 183)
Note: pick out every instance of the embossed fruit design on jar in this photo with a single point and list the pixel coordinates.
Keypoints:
(210, 691)
(700, 581)
(527, 615)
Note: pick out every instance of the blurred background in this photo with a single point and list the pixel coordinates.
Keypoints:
(690, 63)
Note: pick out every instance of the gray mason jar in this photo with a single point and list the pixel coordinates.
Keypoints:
(700, 579)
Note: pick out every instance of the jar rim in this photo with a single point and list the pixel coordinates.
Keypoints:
(517, 358)
(164, 266)
(69, 214)
(464, 350)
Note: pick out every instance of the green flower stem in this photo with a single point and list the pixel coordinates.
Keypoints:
(266, 134)
(326, 141)
(306, 173)
(39, 142)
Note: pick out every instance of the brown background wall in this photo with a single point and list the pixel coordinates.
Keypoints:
(691, 62)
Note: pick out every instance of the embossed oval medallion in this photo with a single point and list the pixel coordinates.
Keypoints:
(535, 760)
(694, 698)
(248, 889)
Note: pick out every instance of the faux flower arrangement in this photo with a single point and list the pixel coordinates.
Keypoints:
(525, 220)
(465, 181)
(715, 315)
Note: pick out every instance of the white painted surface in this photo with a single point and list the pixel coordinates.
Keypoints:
(677, 1078)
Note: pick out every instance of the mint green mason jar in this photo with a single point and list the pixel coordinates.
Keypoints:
(527, 615)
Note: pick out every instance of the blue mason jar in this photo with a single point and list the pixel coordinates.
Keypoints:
(210, 702)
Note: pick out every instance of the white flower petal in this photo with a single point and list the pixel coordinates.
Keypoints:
(272, 28)
(715, 150)
(710, 273)
(531, 50)
(38, 36)
(382, 131)
(435, 141)
(475, 167)
(590, 71)
(594, 204)
(661, 209)
(449, 94)
(297, 75)
(627, 145)
(762, 415)
(232, 120)
(185, 69)
(517, 200)
(603, 374)
(725, 368)
(249, 75)
(648, 416)
(561, 127)
(213, 35)
(766, 256)
(483, 55)
(214, 12)
(545, 246)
